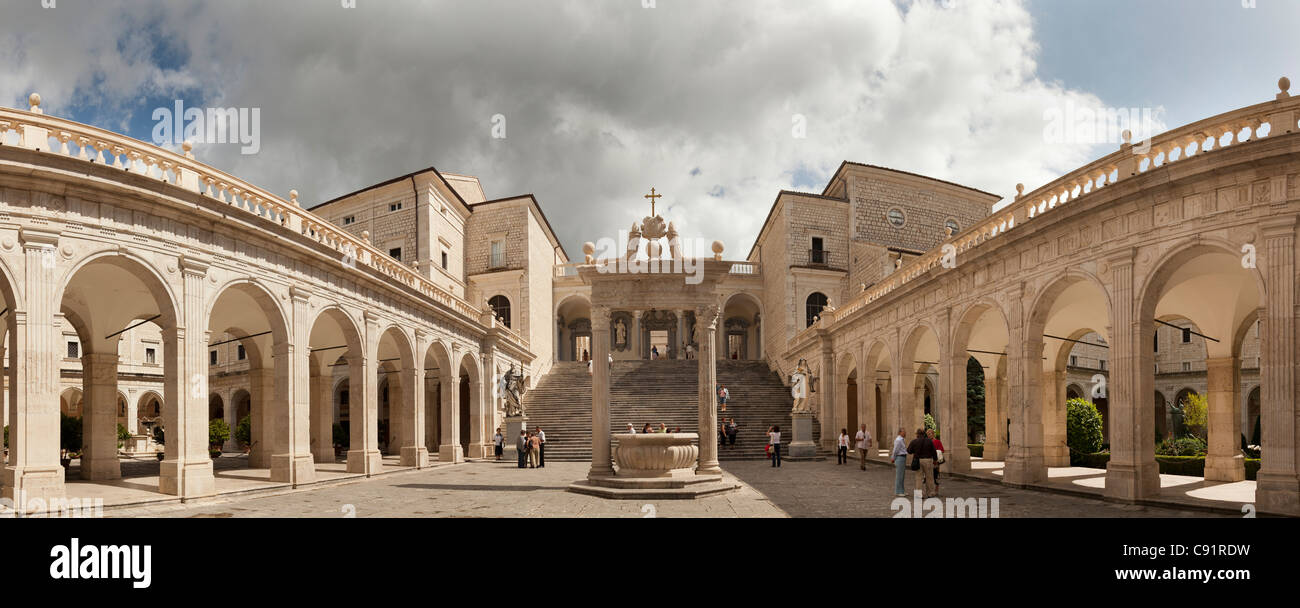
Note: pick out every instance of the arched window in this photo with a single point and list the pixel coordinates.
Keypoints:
(816, 303)
(500, 309)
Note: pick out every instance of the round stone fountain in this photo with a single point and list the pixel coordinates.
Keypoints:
(655, 466)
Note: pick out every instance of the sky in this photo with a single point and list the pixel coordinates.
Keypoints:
(587, 104)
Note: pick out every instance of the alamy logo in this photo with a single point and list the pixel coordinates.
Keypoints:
(208, 126)
(102, 562)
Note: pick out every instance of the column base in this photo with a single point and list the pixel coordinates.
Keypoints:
(323, 456)
(712, 470)
(1130, 483)
(1274, 494)
(258, 459)
(187, 479)
(1024, 470)
(100, 469)
(23, 485)
(600, 473)
(297, 469)
(480, 450)
(1225, 468)
(957, 460)
(1056, 456)
(366, 462)
(453, 454)
(415, 456)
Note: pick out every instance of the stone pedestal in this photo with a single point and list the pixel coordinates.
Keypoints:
(138, 444)
(801, 437)
(514, 425)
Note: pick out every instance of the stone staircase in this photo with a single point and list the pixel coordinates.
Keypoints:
(659, 391)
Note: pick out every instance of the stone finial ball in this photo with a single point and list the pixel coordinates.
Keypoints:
(365, 235)
(1020, 188)
(35, 99)
(1284, 84)
(1127, 135)
(588, 248)
(717, 247)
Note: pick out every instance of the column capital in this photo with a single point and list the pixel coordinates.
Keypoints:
(300, 294)
(1278, 227)
(371, 317)
(600, 318)
(193, 265)
(38, 239)
(1122, 257)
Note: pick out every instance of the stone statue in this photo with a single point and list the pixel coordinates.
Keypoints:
(511, 388)
(799, 386)
(620, 333)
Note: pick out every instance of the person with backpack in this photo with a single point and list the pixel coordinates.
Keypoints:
(923, 453)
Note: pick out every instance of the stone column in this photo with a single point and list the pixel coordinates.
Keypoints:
(826, 391)
(1223, 458)
(231, 444)
(1024, 461)
(414, 451)
(1055, 451)
(954, 424)
(1277, 486)
(33, 471)
(259, 400)
(559, 337)
(995, 441)
(682, 338)
(601, 462)
(99, 382)
(133, 416)
(483, 409)
(363, 403)
(1132, 473)
(322, 416)
(706, 324)
(450, 451)
(186, 469)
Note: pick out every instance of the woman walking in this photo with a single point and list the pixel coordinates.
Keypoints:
(534, 450)
(842, 454)
(898, 456)
(939, 457)
(774, 439)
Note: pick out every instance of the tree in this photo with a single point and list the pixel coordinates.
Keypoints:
(218, 433)
(70, 433)
(244, 432)
(974, 398)
(1082, 427)
(1195, 414)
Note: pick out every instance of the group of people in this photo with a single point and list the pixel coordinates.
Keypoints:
(861, 442)
(927, 454)
(531, 446)
(649, 428)
(727, 432)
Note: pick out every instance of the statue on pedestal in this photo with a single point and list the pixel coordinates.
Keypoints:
(511, 388)
(799, 381)
(620, 333)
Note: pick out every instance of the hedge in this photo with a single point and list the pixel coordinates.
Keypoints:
(1169, 465)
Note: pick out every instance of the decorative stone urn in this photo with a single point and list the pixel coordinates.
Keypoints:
(656, 455)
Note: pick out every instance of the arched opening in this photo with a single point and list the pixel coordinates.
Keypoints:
(216, 407)
(109, 300)
(242, 403)
(741, 338)
(70, 403)
(395, 400)
(920, 360)
(473, 438)
(500, 306)
(437, 386)
(980, 350)
(813, 307)
(877, 373)
(1066, 315)
(335, 356)
(846, 395)
(573, 329)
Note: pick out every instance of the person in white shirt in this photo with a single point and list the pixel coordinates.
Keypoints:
(631, 430)
(541, 448)
(898, 456)
(774, 439)
(863, 446)
(842, 449)
(499, 443)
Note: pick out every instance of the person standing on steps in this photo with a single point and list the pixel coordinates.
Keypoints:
(654, 353)
(499, 444)
(521, 445)
(863, 446)
(723, 394)
(774, 438)
(731, 432)
(842, 447)
(541, 448)
(898, 456)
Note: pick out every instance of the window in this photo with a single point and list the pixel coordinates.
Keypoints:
(1187, 335)
(816, 303)
(951, 224)
(1156, 340)
(818, 253)
(498, 254)
(444, 260)
(1187, 366)
(1101, 364)
(151, 356)
(242, 355)
(395, 253)
(349, 220)
(501, 308)
(212, 358)
(1074, 361)
(74, 350)
(395, 206)
(896, 217)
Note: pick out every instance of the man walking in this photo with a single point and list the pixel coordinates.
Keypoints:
(541, 448)
(922, 449)
(863, 446)
(898, 456)
(521, 446)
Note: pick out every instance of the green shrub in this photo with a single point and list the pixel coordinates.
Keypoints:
(976, 450)
(1097, 460)
(341, 439)
(244, 432)
(974, 398)
(1082, 427)
(218, 433)
(69, 433)
(123, 435)
(1183, 446)
(1195, 412)
(931, 426)
(1193, 466)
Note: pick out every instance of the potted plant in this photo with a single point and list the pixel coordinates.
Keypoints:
(244, 433)
(123, 436)
(218, 434)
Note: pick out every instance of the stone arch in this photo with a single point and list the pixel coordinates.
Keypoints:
(473, 412)
(70, 402)
(573, 327)
(877, 375)
(336, 353)
(982, 333)
(1203, 280)
(396, 352)
(440, 381)
(922, 354)
(741, 335)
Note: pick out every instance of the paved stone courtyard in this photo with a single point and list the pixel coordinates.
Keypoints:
(489, 489)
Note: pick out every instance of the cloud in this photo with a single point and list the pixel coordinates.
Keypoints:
(602, 100)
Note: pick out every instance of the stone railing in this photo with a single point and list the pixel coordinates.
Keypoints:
(1202, 137)
(42, 133)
